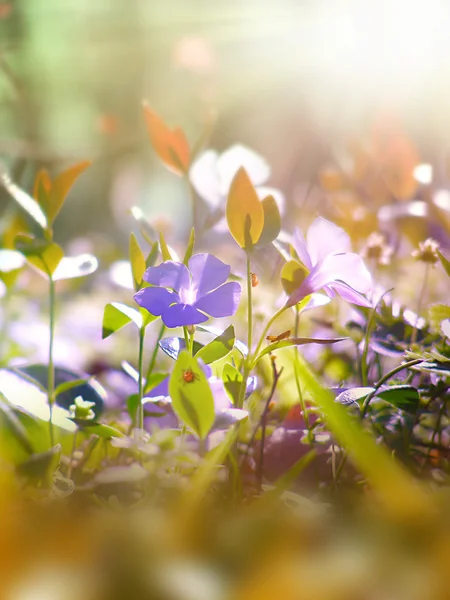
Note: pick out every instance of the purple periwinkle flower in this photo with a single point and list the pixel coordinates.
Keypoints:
(326, 253)
(189, 295)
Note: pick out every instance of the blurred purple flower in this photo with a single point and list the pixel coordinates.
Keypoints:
(226, 415)
(326, 253)
(184, 296)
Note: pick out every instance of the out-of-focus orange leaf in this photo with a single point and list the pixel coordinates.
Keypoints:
(396, 157)
(52, 194)
(5, 10)
(108, 124)
(42, 185)
(170, 145)
(331, 179)
(245, 213)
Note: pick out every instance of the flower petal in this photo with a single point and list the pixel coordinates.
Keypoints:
(155, 299)
(208, 272)
(350, 295)
(221, 302)
(324, 238)
(339, 271)
(350, 269)
(299, 243)
(204, 176)
(181, 315)
(169, 274)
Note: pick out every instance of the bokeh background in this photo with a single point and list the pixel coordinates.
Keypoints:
(297, 81)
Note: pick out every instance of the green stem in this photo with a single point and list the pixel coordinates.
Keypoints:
(51, 369)
(420, 302)
(151, 366)
(264, 333)
(193, 198)
(248, 360)
(74, 446)
(406, 365)
(296, 373)
(141, 379)
(249, 307)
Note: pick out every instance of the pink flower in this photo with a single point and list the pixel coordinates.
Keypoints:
(333, 268)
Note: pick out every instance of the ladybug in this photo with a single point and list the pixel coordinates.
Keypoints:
(189, 376)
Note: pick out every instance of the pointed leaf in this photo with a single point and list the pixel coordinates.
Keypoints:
(444, 262)
(232, 381)
(190, 247)
(60, 187)
(66, 386)
(192, 401)
(116, 316)
(170, 145)
(137, 261)
(296, 342)
(103, 431)
(152, 255)
(71, 267)
(165, 253)
(245, 214)
(272, 222)
(220, 347)
(404, 397)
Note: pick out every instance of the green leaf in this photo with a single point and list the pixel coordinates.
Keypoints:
(154, 380)
(272, 222)
(43, 255)
(444, 262)
(404, 397)
(354, 395)
(137, 261)
(152, 255)
(71, 267)
(132, 407)
(100, 429)
(24, 200)
(401, 494)
(232, 381)
(293, 274)
(295, 342)
(165, 253)
(244, 211)
(190, 247)
(192, 401)
(116, 316)
(438, 313)
(220, 347)
(40, 467)
(10, 422)
(68, 385)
